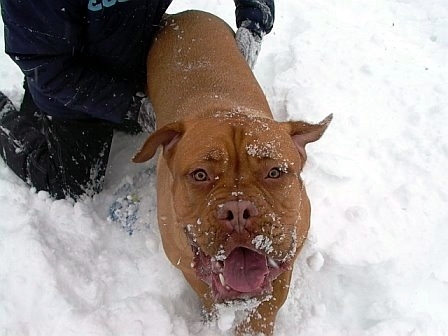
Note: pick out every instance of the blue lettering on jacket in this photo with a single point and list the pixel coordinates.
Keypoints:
(96, 5)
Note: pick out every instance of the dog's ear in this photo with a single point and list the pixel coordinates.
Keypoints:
(167, 137)
(303, 133)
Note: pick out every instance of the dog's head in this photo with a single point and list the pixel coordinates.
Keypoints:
(238, 196)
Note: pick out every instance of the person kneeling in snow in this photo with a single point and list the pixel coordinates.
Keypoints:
(84, 65)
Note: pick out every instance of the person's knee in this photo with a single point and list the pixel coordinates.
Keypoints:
(66, 159)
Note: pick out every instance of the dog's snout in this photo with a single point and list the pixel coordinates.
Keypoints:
(237, 215)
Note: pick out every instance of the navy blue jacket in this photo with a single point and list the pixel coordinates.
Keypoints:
(86, 58)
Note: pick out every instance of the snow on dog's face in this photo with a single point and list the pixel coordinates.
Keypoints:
(238, 196)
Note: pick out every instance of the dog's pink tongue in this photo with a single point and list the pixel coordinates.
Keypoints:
(245, 270)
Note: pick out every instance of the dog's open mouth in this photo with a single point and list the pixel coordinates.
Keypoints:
(244, 273)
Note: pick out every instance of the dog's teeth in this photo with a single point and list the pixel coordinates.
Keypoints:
(221, 279)
(272, 262)
(218, 266)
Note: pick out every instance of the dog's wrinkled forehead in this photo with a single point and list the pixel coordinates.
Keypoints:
(263, 137)
(236, 135)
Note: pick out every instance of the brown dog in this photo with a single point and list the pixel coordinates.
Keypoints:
(232, 209)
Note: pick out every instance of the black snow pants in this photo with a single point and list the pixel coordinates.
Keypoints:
(67, 158)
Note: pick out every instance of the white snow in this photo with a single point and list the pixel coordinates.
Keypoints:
(316, 261)
(263, 243)
(375, 262)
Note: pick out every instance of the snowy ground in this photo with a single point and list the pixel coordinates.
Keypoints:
(376, 261)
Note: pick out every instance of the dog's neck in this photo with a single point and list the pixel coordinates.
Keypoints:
(211, 110)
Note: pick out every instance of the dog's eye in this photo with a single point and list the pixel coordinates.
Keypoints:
(200, 175)
(275, 173)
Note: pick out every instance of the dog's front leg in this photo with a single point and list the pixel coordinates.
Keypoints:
(262, 319)
(203, 291)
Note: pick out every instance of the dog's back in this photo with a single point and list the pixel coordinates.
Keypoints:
(203, 71)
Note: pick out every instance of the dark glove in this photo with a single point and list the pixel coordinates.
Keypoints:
(254, 19)
(146, 117)
(249, 44)
(140, 116)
